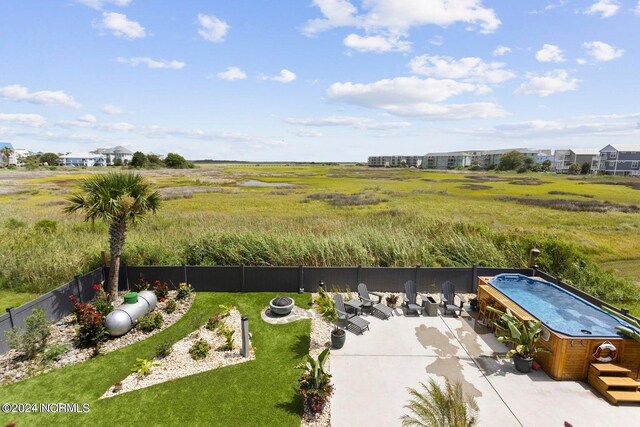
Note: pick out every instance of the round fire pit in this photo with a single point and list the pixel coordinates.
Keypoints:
(281, 305)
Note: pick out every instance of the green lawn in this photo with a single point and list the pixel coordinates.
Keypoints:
(14, 299)
(260, 392)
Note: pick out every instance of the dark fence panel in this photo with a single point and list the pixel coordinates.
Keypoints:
(389, 279)
(215, 279)
(431, 279)
(333, 278)
(271, 279)
(85, 291)
(5, 325)
(173, 275)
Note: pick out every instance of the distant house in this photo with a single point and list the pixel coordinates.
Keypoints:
(394, 161)
(619, 159)
(491, 158)
(82, 158)
(7, 154)
(564, 158)
(115, 155)
(449, 160)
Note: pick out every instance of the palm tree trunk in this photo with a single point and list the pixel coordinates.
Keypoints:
(117, 232)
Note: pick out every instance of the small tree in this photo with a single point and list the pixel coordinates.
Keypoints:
(529, 163)
(154, 160)
(176, 161)
(6, 154)
(139, 160)
(510, 161)
(546, 165)
(34, 339)
(574, 169)
(440, 408)
(118, 199)
(585, 168)
(51, 159)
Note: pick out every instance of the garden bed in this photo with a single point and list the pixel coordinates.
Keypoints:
(13, 368)
(179, 363)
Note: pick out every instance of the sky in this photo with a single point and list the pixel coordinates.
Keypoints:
(318, 80)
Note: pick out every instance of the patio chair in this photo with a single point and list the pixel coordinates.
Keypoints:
(352, 320)
(448, 296)
(410, 298)
(376, 308)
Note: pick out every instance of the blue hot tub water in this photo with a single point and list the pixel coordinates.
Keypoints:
(556, 308)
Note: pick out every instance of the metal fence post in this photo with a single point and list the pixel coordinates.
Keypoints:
(10, 311)
(417, 274)
(359, 275)
(474, 278)
(78, 287)
(246, 337)
(184, 272)
(301, 279)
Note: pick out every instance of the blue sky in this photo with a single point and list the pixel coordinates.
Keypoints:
(318, 80)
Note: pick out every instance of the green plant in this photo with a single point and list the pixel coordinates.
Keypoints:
(228, 336)
(435, 407)
(184, 290)
(48, 226)
(118, 199)
(170, 306)
(34, 338)
(143, 367)
(91, 331)
(161, 290)
(102, 303)
(54, 353)
(213, 322)
(141, 284)
(199, 349)
(150, 321)
(164, 349)
(521, 335)
(225, 310)
(326, 306)
(315, 383)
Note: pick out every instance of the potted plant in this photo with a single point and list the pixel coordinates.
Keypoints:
(521, 335)
(315, 383)
(473, 303)
(326, 306)
(392, 299)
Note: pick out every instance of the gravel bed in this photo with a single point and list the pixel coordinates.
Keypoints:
(180, 364)
(12, 369)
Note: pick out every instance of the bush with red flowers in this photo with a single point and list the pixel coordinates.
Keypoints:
(161, 290)
(91, 331)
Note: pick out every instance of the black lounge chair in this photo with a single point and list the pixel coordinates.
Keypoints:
(376, 308)
(448, 297)
(352, 320)
(410, 298)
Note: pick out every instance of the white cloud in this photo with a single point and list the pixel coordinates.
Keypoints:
(44, 97)
(436, 40)
(601, 51)
(397, 17)
(99, 4)
(285, 76)
(152, 63)
(348, 121)
(550, 53)
(121, 26)
(378, 44)
(23, 119)
(552, 82)
(413, 96)
(501, 50)
(471, 68)
(212, 29)
(88, 118)
(581, 61)
(637, 9)
(308, 133)
(112, 110)
(232, 73)
(604, 8)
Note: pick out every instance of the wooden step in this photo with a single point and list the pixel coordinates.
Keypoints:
(625, 382)
(610, 369)
(615, 396)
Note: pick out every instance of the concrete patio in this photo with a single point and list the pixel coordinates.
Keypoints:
(372, 372)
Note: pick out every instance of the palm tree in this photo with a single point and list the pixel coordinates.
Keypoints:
(118, 199)
(438, 408)
(6, 154)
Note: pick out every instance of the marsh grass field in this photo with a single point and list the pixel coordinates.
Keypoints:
(587, 227)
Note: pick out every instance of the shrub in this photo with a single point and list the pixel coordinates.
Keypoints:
(54, 353)
(161, 290)
(315, 382)
(184, 290)
(13, 223)
(164, 349)
(46, 226)
(150, 322)
(443, 408)
(170, 306)
(91, 331)
(176, 161)
(102, 303)
(213, 322)
(228, 336)
(199, 350)
(143, 367)
(31, 341)
(225, 310)
(140, 284)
